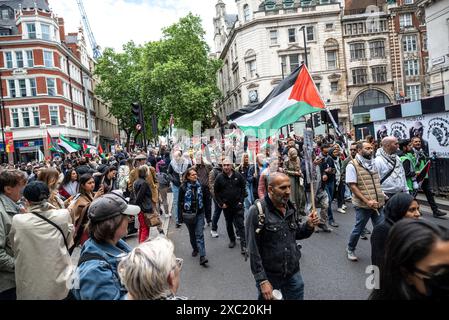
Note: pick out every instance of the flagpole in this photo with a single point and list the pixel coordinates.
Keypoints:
(334, 123)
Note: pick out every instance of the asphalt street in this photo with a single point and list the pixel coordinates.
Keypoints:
(327, 273)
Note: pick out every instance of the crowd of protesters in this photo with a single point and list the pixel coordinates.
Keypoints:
(49, 209)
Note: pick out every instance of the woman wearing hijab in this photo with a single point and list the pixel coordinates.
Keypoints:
(292, 167)
(401, 205)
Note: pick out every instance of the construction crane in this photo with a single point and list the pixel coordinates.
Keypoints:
(90, 34)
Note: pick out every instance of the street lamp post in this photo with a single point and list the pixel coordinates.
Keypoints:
(303, 28)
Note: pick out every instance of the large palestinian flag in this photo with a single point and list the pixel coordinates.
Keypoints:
(295, 97)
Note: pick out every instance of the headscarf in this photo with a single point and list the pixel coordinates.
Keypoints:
(397, 206)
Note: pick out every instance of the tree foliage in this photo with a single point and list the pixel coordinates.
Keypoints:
(172, 76)
(118, 86)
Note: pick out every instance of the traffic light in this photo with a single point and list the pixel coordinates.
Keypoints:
(316, 120)
(137, 115)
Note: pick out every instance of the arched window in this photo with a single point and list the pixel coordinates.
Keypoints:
(370, 99)
(246, 13)
(331, 49)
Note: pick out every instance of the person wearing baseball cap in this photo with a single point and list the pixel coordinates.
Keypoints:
(97, 267)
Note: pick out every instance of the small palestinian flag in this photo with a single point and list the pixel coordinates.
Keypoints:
(293, 98)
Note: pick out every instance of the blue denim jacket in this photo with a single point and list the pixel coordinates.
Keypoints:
(99, 280)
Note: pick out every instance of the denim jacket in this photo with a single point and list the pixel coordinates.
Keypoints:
(274, 252)
(98, 280)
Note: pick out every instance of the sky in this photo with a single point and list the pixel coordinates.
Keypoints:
(115, 22)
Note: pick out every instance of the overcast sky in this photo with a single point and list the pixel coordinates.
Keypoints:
(115, 22)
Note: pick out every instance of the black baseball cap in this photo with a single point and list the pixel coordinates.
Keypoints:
(109, 206)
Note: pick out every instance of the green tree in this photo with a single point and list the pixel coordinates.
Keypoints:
(119, 83)
(178, 76)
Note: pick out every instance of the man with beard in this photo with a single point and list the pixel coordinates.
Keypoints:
(368, 199)
(272, 228)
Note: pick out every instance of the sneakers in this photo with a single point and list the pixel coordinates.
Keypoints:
(243, 250)
(344, 207)
(214, 234)
(351, 255)
(178, 225)
(333, 224)
(194, 253)
(203, 261)
(231, 244)
(366, 231)
(364, 236)
(341, 210)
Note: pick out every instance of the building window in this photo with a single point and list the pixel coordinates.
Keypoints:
(334, 86)
(408, 2)
(377, 49)
(288, 4)
(246, 12)
(331, 59)
(310, 31)
(26, 117)
(294, 61)
(45, 31)
(291, 35)
(411, 67)
(409, 43)
(252, 69)
(33, 89)
(36, 118)
(424, 41)
(31, 28)
(379, 74)
(23, 88)
(359, 76)
(19, 59)
(357, 51)
(405, 20)
(15, 118)
(414, 92)
(273, 37)
(270, 5)
(30, 60)
(318, 86)
(329, 26)
(54, 115)
(6, 14)
(51, 87)
(8, 58)
(48, 59)
(12, 88)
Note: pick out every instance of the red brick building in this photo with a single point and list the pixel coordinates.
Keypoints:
(46, 78)
(409, 52)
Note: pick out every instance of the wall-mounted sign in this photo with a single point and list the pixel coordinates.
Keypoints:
(9, 142)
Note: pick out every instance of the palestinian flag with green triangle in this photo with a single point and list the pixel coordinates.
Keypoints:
(295, 97)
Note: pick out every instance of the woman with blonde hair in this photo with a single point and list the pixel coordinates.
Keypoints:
(50, 177)
(151, 271)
